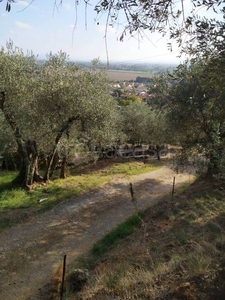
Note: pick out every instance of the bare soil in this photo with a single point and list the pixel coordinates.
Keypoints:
(31, 251)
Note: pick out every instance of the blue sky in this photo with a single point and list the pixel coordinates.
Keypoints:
(41, 28)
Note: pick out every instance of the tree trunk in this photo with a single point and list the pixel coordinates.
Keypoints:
(28, 171)
(63, 167)
(65, 126)
(27, 150)
(157, 148)
(51, 164)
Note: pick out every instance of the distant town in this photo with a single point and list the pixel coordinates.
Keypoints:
(128, 82)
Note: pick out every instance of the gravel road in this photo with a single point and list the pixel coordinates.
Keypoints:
(31, 252)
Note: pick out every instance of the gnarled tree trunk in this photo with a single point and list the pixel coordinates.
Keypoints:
(28, 171)
(27, 150)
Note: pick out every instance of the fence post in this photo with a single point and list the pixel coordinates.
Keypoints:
(63, 277)
(131, 192)
(173, 189)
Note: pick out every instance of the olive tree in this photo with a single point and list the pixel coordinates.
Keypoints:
(79, 103)
(43, 103)
(197, 112)
(139, 123)
(8, 148)
(17, 89)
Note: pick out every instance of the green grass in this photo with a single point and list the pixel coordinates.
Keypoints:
(120, 232)
(132, 168)
(6, 178)
(108, 241)
(15, 198)
(58, 190)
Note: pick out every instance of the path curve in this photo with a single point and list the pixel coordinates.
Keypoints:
(31, 252)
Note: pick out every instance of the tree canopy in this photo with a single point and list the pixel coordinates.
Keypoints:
(196, 112)
(46, 105)
(33, 96)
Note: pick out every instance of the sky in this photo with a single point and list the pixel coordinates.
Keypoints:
(42, 28)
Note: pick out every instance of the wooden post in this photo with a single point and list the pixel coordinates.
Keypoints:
(173, 189)
(63, 277)
(131, 192)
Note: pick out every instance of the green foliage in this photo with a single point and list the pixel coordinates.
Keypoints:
(153, 15)
(53, 104)
(59, 190)
(196, 113)
(136, 121)
(205, 36)
(6, 135)
(116, 234)
(129, 100)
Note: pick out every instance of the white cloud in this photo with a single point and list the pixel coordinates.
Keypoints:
(67, 6)
(21, 25)
(22, 3)
(73, 27)
(102, 29)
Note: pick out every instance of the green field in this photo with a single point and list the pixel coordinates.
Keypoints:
(126, 75)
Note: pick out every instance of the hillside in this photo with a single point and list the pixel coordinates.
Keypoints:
(33, 249)
(177, 252)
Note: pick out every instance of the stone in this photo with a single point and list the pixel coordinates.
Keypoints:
(77, 279)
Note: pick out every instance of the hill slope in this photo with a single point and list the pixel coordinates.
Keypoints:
(178, 252)
(32, 251)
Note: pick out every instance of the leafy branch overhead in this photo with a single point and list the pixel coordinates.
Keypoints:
(138, 15)
(8, 4)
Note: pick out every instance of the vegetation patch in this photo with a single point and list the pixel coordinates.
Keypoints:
(133, 168)
(120, 232)
(45, 196)
(175, 254)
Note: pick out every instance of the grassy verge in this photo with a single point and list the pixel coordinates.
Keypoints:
(108, 241)
(177, 253)
(132, 168)
(45, 196)
(120, 232)
(54, 192)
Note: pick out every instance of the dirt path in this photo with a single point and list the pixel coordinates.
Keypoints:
(31, 252)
